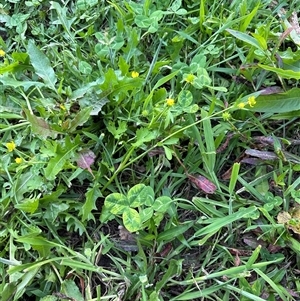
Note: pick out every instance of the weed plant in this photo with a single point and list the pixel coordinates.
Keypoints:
(149, 150)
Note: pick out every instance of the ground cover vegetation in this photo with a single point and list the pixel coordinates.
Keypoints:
(149, 150)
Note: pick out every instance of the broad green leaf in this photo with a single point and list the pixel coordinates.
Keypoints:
(85, 4)
(185, 98)
(56, 164)
(245, 38)
(8, 290)
(191, 109)
(261, 40)
(165, 79)
(118, 131)
(85, 68)
(181, 11)
(176, 7)
(116, 203)
(39, 126)
(36, 241)
(41, 65)
(284, 73)
(9, 68)
(140, 195)
(70, 289)
(278, 103)
(146, 214)
(28, 205)
(142, 21)
(132, 220)
(27, 182)
(202, 79)
(26, 280)
(162, 204)
(44, 251)
(53, 209)
(171, 141)
(144, 135)
(168, 152)
(11, 82)
(21, 57)
(81, 118)
(157, 15)
(62, 18)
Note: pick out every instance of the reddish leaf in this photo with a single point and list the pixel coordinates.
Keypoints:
(237, 260)
(85, 159)
(203, 183)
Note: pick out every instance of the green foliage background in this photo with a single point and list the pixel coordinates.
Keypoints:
(147, 148)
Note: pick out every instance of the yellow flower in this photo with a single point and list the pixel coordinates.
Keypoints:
(189, 78)
(251, 101)
(18, 160)
(226, 116)
(2, 53)
(10, 146)
(134, 74)
(170, 102)
(62, 107)
(241, 105)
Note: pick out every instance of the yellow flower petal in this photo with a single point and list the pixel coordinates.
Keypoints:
(18, 160)
(226, 116)
(251, 101)
(189, 78)
(10, 146)
(241, 105)
(134, 74)
(170, 102)
(2, 53)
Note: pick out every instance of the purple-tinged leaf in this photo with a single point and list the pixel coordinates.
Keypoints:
(271, 90)
(203, 183)
(39, 126)
(85, 159)
(251, 161)
(264, 155)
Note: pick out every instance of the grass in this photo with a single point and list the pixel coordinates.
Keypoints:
(149, 150)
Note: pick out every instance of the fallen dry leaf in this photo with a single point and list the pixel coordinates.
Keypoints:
(203, 183)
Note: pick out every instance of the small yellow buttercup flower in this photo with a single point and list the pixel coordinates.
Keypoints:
(170, 102)
(2, 53)
(251, 101)
(10, 146)
(241, 105)
(134, 74)
(18, 160)
(189, 78)
(226, 116)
